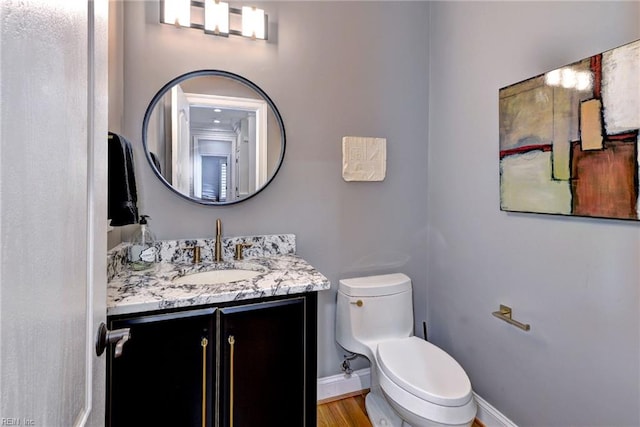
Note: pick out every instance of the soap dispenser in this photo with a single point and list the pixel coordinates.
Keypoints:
(142, 250)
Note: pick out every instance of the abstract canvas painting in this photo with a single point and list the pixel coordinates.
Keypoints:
(569, 138)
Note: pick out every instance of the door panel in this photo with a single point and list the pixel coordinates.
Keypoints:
(180, 141)
(52, 208)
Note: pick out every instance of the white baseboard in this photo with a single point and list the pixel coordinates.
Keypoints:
(341, 384)
(338, 385)
(489, 415)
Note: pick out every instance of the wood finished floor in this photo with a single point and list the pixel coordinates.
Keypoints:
(349, 412)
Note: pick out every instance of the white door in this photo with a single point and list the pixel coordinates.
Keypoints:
(181, 141)
(53, 97)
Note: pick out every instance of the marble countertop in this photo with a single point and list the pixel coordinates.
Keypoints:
(140, 291)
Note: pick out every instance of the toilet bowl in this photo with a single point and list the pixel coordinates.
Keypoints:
(413, 382)
(425, 385)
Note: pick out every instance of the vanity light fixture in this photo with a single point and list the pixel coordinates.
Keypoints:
(253, 22)
(177, 12)
(215, 17)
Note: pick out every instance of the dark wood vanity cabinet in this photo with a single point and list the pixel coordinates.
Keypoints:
(243, 364)
(160, 377)
(262, 367)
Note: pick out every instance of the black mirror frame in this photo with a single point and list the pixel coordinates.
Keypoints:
(220, 73)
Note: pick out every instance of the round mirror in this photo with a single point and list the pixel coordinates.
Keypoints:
(213, 137)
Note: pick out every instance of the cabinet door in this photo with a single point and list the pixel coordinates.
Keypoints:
(165, 375)
(262, 366)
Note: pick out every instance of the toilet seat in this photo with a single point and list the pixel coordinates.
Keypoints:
(424, 370)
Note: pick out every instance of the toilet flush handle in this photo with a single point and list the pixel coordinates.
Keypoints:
(359, 303)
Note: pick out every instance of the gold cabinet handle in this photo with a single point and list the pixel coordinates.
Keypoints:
(204, 342)
(232, 342)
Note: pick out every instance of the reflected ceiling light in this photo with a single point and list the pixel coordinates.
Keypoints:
(569, 79)
(177, 12)
(583, 81)
(253, 22)
(552, 78)
(217, 110)
(216, 17)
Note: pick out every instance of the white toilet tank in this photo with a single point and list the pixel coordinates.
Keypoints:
(373, 309)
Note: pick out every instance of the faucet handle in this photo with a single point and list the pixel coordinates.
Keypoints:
(239, 248)
(196, 253)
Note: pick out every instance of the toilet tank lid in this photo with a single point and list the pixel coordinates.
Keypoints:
(370, 286)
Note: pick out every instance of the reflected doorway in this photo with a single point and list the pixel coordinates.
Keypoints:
(212, 167)
(215, 178)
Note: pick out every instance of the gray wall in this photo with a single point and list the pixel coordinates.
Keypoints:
(575, 280)
(332, 70)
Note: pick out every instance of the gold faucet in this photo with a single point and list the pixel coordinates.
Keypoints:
(218, 249)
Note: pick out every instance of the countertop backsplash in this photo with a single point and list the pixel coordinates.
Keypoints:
(180, 251)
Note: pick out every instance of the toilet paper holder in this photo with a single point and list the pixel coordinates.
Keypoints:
(505, 313)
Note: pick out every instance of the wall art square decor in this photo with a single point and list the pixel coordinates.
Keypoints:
(569, 138)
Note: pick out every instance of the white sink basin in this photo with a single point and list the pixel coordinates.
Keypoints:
(213, 277)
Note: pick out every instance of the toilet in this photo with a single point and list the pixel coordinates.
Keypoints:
(413, 382)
